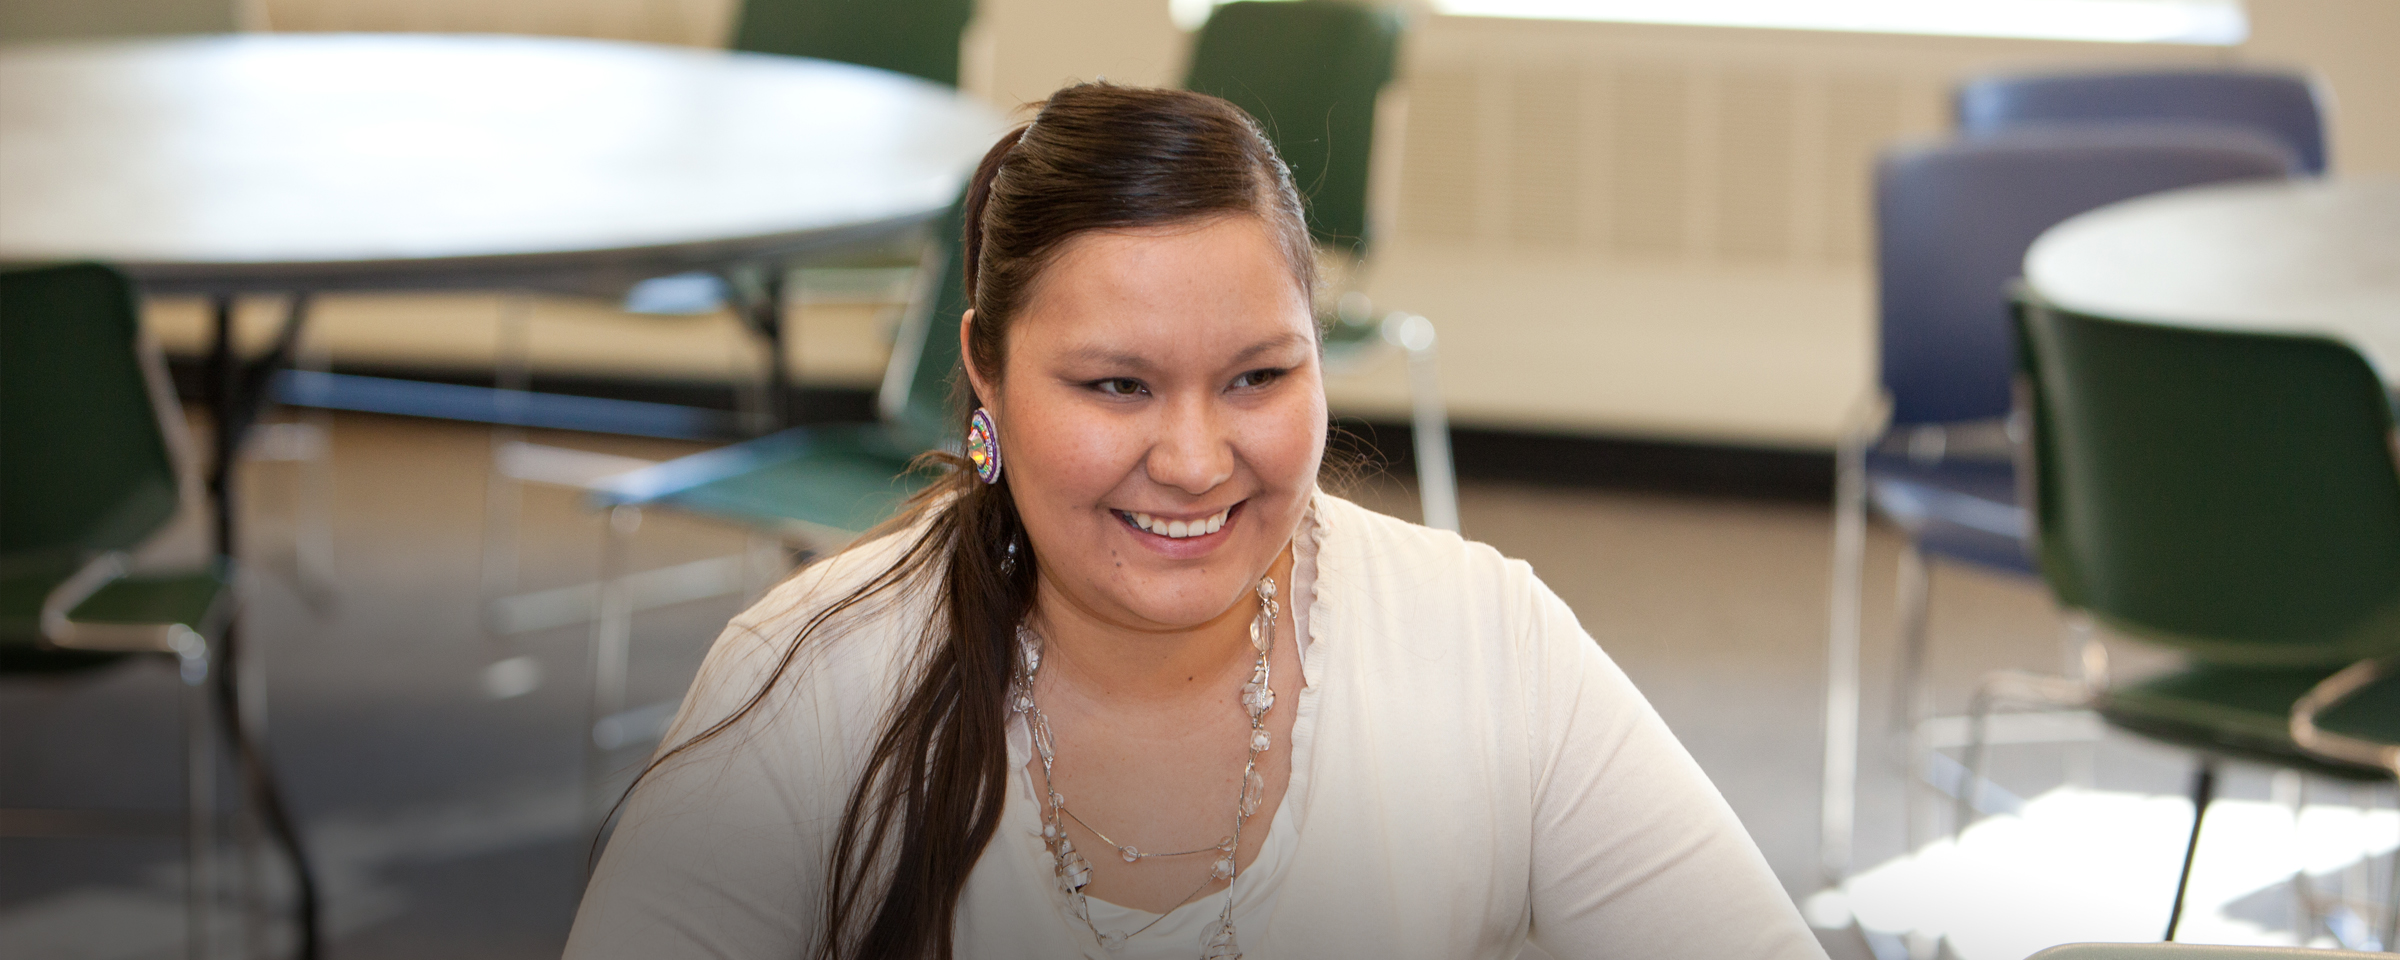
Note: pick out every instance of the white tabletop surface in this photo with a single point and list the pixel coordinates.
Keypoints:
(2297, 256)
(392, 159)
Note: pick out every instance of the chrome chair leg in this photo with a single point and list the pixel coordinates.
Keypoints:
(312, 540)
(1437, 478)
(1911, 695)
(503, 499)
(1837, 801)
(2391, 899)
(2087, 663)
(612, 634)
(1996, 688)
(1911, 702)
(200, 809)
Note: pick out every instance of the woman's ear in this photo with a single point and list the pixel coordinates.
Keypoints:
(966, 360)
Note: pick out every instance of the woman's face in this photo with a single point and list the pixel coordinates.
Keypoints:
(1161, 418)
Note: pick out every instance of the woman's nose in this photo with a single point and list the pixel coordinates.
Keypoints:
(1193, 452)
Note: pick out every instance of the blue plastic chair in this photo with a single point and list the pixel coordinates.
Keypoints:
(2290, 106)
(1954, 220)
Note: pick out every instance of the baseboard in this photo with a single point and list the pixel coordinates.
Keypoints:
(1608, 463)
(1482, 453)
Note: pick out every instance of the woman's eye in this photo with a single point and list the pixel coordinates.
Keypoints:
(1119, 387)
(1256, 378)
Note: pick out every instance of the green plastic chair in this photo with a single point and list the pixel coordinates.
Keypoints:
(817, 486)
(916, 37)
(28, 20)
(2232, 496)
(841, 479)
(1310, 71)
(88, 472)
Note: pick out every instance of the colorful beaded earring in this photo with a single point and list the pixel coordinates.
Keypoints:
(983, 446)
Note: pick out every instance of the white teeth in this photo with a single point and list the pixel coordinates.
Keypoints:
(1180, 529)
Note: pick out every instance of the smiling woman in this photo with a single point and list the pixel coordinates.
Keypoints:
(1127, 684)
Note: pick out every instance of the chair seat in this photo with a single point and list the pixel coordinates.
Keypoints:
(2245, 712)
(1958, 509)
(194, 598)
(846, 477)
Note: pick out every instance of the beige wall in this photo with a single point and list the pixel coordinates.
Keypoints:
(1619, 229)
(2355, 46)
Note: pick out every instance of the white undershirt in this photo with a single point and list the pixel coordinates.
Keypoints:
(1254, 889)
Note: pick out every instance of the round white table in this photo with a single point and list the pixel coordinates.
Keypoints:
(2299, 256)
(278, 162)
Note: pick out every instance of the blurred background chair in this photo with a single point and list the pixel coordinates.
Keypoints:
(2232, 496)
(125, 18)
(2287, 105)
(815, 487)
(1312, 72)
(306, 440)
(91, 453)
(915, 37)
(2189, 951)
(1953, 221)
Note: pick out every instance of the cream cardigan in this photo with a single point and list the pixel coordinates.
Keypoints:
(1471, 774)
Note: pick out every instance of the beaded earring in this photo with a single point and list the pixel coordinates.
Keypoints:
(983, 445)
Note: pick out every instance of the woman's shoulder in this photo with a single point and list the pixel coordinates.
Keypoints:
(1353, 540)
(1421, 589)
(827, 582)
(855, 614)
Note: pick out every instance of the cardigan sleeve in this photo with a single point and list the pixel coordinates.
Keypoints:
(1634, 852)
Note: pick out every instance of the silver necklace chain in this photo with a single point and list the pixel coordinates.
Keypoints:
(1074, 872)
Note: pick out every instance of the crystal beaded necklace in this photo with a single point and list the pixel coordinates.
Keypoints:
(1074, 872)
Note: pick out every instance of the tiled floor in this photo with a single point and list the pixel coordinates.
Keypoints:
(446, 821)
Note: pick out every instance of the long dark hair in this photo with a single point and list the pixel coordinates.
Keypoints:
(928, 799)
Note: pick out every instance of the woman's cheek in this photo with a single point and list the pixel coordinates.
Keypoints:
(1287, 441)
(1093, 452)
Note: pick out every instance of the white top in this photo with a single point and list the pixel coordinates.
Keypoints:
(1470, 774)
(2286, 256)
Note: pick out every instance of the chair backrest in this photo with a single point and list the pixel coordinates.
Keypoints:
(2231, 494)
(84, 464)
(1953, 221)
(1309, 71)
(2283, 104)
(916, 37)
(917, 396)
(22, 20)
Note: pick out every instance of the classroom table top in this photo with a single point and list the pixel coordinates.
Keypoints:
(395, 161)
(2295, 256)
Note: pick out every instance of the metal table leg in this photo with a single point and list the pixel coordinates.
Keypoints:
(237, 392)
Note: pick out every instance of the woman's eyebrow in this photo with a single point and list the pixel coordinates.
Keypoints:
(1284, 341)
(1101, 356)
(1098, 356)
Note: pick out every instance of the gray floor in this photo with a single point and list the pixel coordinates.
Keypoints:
(446, 820)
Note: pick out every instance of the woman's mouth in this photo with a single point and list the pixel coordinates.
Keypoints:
(1177, 529)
